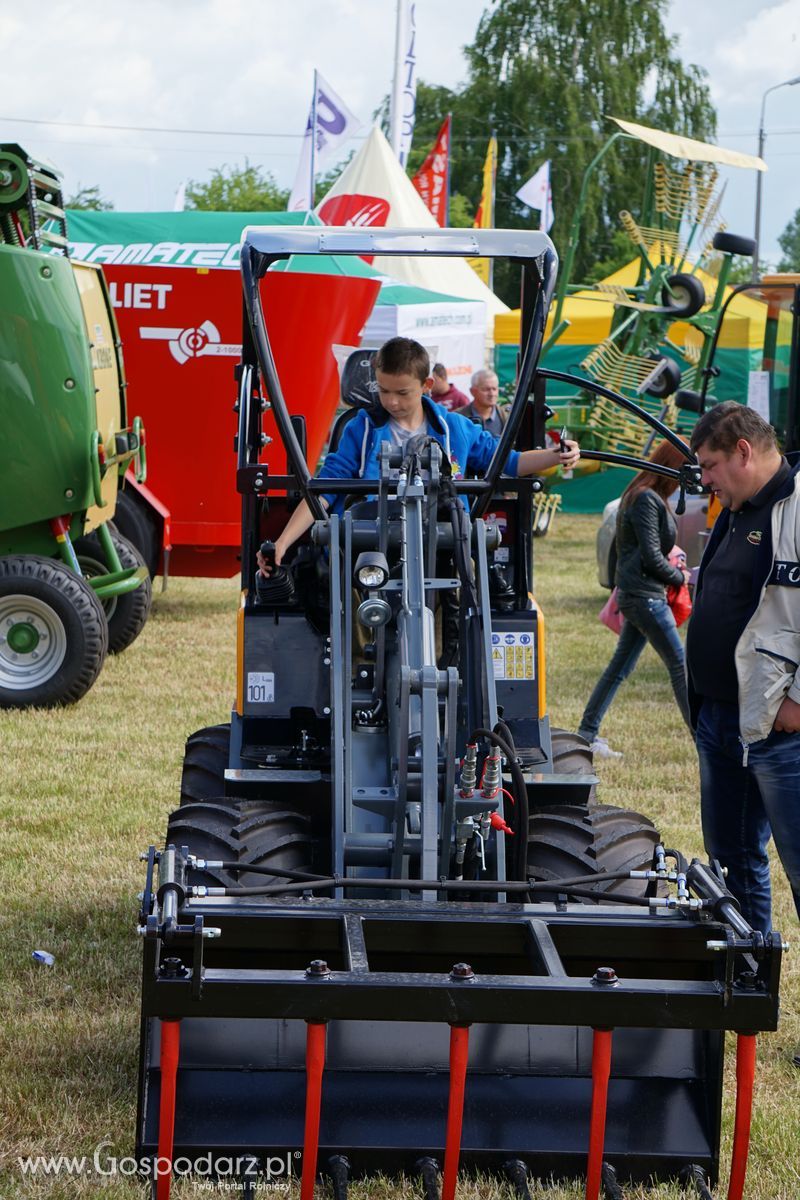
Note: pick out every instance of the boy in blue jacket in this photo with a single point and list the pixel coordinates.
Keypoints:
(402, 371)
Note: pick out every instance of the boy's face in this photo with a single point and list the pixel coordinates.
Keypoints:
(401, 395)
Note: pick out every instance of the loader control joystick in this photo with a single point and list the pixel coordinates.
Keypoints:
(278, 586)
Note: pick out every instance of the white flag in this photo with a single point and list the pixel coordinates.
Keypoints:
(180, 197)
(404, 89)
(536, 193)
(334, 124)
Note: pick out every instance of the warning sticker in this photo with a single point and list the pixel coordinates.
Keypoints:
(512, 655)
(260, 687)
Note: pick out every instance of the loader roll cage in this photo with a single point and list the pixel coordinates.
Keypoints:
(391, 847)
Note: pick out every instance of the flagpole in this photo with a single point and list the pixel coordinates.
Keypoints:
(447, 176)
(492, 142)
(395, 116)
(313, 141)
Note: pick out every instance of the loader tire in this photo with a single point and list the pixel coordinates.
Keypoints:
(567, 840)
(53, 635)
(572, 754)
(205, 760)
(126, 615)
(264, 835)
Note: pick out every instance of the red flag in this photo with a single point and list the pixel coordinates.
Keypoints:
(432, 180)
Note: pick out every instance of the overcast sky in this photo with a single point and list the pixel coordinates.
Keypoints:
(242, 69)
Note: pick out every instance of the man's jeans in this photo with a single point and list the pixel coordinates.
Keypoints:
(646, 620)
(741, 805)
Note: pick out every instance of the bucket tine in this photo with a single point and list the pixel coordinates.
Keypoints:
(339, 1168)
(315, 1064)
(601, 1070)
(170, 1050)
(696, 1176)
(517, 1174)
(428, 1168)
(745, 1075)
(611, 1188)
(459, 1051)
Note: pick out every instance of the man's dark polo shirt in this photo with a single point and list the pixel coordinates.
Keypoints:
(724, 603)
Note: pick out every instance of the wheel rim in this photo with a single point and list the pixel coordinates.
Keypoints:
(33, 642)
(91, 568)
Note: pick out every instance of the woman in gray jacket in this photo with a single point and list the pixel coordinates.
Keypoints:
(645, 536)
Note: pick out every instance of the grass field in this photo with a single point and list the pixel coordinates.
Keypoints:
(84, 789)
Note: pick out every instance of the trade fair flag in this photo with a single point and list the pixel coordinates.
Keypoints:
(484, 217)
(403, 100)
(432, 180)
(332, 123)
(537, 193)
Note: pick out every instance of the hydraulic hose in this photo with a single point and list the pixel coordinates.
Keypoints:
(521, 815)
(420, 885)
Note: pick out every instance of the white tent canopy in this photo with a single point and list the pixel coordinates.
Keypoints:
(375, 175)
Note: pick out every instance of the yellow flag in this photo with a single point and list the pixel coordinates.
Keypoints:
(484, 217)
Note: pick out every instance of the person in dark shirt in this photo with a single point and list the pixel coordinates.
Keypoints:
(444, 392)
(645, 536)
(743, 656)
(483, 410)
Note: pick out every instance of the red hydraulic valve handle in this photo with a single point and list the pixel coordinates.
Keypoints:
(745, 1077)
(459, 1052)
(601, 1071)
(315, 1065)
(170, 1050)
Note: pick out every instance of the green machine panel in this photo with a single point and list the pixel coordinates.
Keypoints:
(47, 403)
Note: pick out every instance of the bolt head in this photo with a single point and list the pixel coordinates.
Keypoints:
(462, 971)
(318, 968)
(605, 975)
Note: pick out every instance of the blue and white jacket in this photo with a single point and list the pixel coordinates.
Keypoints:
(467, 446)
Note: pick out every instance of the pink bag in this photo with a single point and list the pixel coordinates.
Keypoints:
(610, 615)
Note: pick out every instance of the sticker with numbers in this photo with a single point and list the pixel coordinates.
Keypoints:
(260, 687)
(512, 656)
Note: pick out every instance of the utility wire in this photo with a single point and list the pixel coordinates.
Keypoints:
(299, 136)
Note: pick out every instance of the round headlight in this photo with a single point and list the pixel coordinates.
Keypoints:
(372, 576)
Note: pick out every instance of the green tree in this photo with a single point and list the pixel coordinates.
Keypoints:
(545, 77)
(789, 242)
(237, 189)
(89, 199)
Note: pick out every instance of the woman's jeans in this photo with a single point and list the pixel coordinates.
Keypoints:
(646, 620)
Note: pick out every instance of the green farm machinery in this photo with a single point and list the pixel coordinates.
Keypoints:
(71, 586)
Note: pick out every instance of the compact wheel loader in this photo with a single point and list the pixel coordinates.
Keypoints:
(391, 929)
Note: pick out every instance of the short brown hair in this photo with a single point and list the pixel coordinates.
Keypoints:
(403, 356)
(728, 423)
(439, 370)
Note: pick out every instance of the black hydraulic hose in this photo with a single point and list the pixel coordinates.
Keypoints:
(522, 802)
(517, 1175)
(339, 1168)
(521, 816)
(278, 872)
(442, 885)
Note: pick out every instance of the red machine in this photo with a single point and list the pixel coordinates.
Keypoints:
(181, 332)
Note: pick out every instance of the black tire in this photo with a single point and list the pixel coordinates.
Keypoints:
(684, 295)
(266, 835)
(668, 381)
(733, 243)
(205, 760)
(568, 840)
(126, 615)
(52, 608)
(572, 754)
(134, 521)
